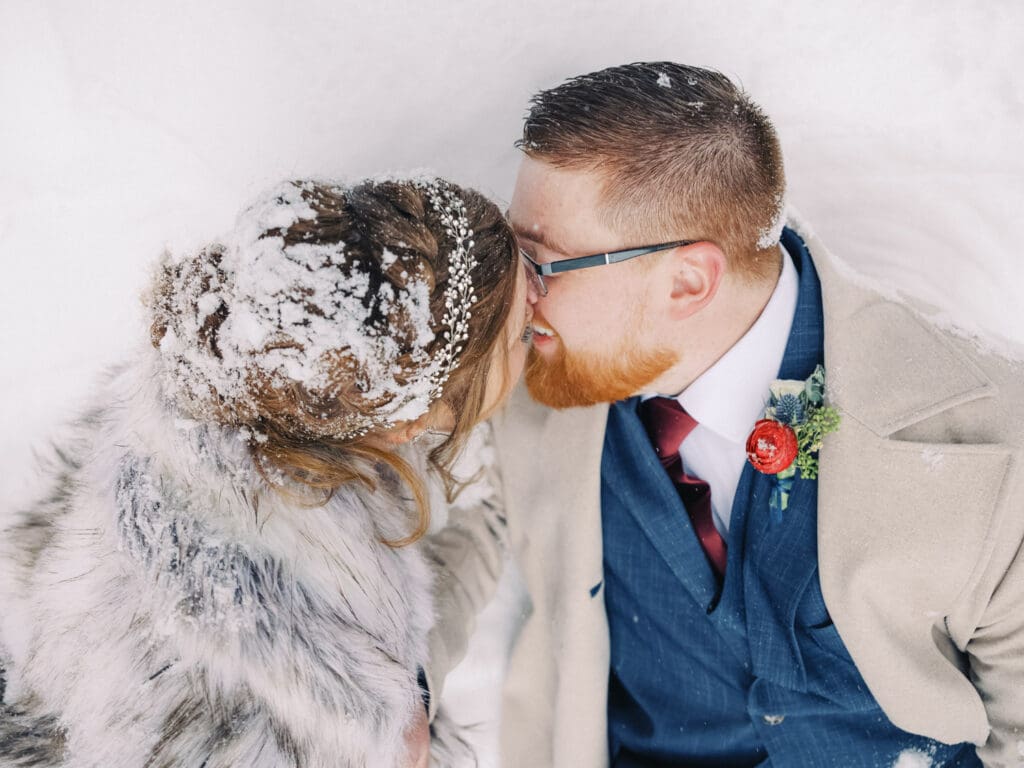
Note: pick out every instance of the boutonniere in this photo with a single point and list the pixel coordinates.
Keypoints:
(788, 438)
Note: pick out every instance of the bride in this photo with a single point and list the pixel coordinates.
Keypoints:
(223, 568)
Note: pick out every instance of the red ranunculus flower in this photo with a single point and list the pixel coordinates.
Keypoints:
(772, 446)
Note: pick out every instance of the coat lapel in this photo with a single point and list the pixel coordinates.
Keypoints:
(901, 527)
(900, 524)
(553, 461)
(558, 672)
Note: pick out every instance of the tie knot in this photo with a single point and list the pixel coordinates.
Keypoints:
(667, 424)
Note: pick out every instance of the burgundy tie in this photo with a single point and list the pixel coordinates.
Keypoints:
(668, 424)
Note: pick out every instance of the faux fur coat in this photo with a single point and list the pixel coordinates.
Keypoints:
(160, 605)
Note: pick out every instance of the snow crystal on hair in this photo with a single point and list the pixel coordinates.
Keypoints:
(773, 233)
(283, 311)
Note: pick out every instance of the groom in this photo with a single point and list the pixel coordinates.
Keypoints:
(686, 608)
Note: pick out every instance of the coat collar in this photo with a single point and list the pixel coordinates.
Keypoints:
(874, 379)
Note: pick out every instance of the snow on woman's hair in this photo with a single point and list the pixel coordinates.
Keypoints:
(324, 313)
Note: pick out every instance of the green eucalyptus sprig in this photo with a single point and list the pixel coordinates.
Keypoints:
(809, 436)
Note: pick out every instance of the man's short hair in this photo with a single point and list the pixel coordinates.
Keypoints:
(685, 154)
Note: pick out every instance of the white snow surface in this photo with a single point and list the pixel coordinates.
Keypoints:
(128, 127)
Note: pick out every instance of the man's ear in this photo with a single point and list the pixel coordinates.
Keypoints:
(695, 275)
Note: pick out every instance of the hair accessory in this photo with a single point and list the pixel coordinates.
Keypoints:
(459, 295)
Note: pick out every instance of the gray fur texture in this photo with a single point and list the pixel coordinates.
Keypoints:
(161, 606)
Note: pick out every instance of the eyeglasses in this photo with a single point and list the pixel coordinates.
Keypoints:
(537, 272)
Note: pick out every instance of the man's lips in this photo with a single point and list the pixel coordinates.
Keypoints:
(542, 334)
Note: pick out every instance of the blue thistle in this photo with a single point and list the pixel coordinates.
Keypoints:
(789, 409)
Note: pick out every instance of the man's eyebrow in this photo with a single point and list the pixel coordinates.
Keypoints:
(539, 237)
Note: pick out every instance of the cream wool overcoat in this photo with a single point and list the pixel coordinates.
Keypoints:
(920, 524)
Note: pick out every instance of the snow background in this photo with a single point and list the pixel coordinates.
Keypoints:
(129, 127)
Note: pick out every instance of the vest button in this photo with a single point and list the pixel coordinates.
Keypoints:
(773, 719)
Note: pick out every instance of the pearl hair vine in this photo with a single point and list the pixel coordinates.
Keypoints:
(459, 297)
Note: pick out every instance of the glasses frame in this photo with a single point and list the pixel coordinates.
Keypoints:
(594, 260)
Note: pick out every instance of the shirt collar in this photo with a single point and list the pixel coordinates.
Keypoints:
(731, 395)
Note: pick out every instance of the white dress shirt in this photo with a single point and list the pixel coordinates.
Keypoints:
(729, 397)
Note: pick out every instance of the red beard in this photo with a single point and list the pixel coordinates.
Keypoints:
(568, 380)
